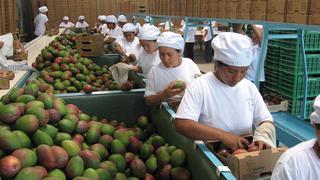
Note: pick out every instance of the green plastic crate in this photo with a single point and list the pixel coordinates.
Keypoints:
(293, 64)
(295, 107)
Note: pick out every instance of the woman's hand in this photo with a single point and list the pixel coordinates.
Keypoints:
(233, 141)
(171, 91)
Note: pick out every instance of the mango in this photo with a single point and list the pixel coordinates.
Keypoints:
(93, 135)
(54, 116)
(61, 156)
(9, 113)
(5, 99)
(28, 173)
(157, 141)
(178, 158)
(50, 130)
(103, 174)
(75, 167)
(106, 141)
(45, 157)
(171, 149)
(163, 156)
(9, 166)
(142, 122)
(41, 170)
(117, 147)
(27, 157)
(100, 149)
(46, 100)
(91, 159)
(14, 93)
(23, 139)
(134, 144)
(59, 105)
(129, 156)
(151, 164)
(91, 174)
(31, 89)
(20, 105)
(9, 141)
(34, 103)
(120, 176)
(145, 151)
(73, 117)
(66, 125)
(27, 123)
(107, 129)
(40, 113)
(119, 161)
(180, 173)
(78, 138)
(179, 85)
(81, 178)
(71, 147)
(40, 137)
(61, 137)
(25, 98)
(165, 171)
(84, 117)
(122, 135)
(110, 167)
(138, 168)
(71, 89)
(81, 127)
(57, 173)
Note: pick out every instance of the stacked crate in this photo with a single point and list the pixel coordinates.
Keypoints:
(285, 70)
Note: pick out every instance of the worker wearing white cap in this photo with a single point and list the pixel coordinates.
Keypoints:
(122, 20)
(223, 105)
(147, 21)
(135, 22)
(101, 25)
(257, 31)
(303, 160)
(128, 44)
(66, 23)
(190, 39)
(113, 31)
(82, 23)
(161, 78)
(40, 21)
(148, 54)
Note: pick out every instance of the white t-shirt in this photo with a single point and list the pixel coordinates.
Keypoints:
(251, 73)
(82, 25)
(66, 25)
(298, 163)
(40, 22)
(103, 28)
(114, 33)
(191, 33)
(208, 37)
(233, 109)
(146, 61)
(129, 47)
(160, 77)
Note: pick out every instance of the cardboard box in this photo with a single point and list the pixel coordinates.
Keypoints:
(314, 7)
(90, 45)
(249, 165)
(299, 6)
(243, 6)
(258, 16)
(296, 18)
(276, 6)
(4, 82)
(276, 17)
(258, 6)
(243, 15)
(314, 19)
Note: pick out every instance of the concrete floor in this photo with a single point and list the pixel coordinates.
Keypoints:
(199, 59)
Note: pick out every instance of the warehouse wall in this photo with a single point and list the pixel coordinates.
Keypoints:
(7, 16)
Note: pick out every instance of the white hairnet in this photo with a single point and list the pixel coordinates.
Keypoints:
(81, 18)
(171, 39)
(129, 27)
(103, 18)
(315, 116)
(149, 33)
(232, 49)
(43, 9)
(122, 18)
(65, 18)
(111, 19)
(147, 19)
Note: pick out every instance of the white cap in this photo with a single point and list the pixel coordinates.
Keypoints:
(111, 19)
(314, 118)
(81, 18)
(259, 26)
(129, 27)
(149, 33)
(103, 18)
(171, 39)
(43, 9)
(147, 19)
(122, 18)
(232, 49)
(65, 18)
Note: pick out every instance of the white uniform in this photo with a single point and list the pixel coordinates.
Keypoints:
(114, 33)
(160, 77)
(103, 28)
(251, 73)
(299, 162)
(191, 33)
(129, 47)
(82, 25)
(138, 26)
(146, 61)
(233, 109)
(208, 37)
(40, 22)
(66, 25)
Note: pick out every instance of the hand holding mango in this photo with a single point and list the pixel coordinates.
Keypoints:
(174, 88)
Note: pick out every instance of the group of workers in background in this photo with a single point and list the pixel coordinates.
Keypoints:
(222, 104)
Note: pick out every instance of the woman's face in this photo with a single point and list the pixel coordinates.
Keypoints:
(169, 57)
(149, 46)
(231, 75)
(111, 25)
(129, 36)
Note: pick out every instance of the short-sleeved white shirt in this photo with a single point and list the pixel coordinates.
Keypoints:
(40, 22)
(191, 33)
(82, 25)
(146, 61)
(233, 109)
(299, 162)
(208, 37)
(129, 47)
(160, 77)
(114, 33)
(66, 25)
(251, 73)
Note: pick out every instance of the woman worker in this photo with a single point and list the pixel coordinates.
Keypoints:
(222, 105)
(66, 23)
(160, 84)
(148, 54)
(40, 21)
(128, 44)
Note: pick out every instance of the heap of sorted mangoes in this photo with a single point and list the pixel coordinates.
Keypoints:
(43, 138)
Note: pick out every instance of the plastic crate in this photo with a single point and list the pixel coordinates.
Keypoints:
(295, 107)
(293, 64)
